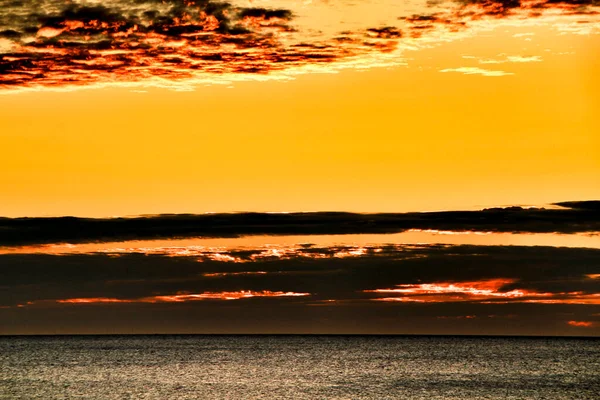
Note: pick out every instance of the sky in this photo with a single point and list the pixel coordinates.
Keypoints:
(143, 108)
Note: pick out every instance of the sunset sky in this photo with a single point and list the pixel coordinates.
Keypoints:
(144, 107)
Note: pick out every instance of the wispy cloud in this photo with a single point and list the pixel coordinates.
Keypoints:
(511, 59)
(582, 324)
(182, 297)
(484, 291)
(477, 71)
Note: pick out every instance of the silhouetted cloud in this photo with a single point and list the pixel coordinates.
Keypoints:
(581, 217)
(338, 273)
(369, 284)
(582, 205)
(386, 32)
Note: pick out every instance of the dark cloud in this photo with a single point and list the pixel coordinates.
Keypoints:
(57, 43)
(581, 217)
(326, 273)
(340, 289)
(10, 34)
(386, 32)
(420, 23)
(501, 8)
(180, 43)
(582, 205)
(263, 13)
(496, 8)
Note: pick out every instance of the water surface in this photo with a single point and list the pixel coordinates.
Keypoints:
(298, 367)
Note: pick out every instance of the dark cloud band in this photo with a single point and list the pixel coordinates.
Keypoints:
(580, 217)
(384, 289)
(331, 273)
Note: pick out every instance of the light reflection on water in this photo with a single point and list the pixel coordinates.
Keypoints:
(413, 236)
(298, 367)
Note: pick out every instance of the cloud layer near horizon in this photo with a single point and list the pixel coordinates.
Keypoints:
(355, 285)
(302, 287)
(575, 217)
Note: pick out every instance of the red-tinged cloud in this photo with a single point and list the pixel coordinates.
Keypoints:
(450, 291)
(185, 297)
(94, 300)
(445, 280)
(484, 291)
(464, 13)
(181, 43)
(53, 43)
(243, 294)
(377, 286)
(582, 324)
(226, 274)
(569, 298)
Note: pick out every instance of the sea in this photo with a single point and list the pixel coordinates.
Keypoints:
(298, 367)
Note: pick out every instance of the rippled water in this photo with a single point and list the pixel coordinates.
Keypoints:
(298, 367)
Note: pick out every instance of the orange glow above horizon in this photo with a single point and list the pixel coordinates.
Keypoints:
(383, 132)
(218, 249)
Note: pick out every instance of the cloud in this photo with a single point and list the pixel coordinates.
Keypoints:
(511, 59)
(581, 324)
(387, 32)
(460, 15)
(581, 205)
(183, 297)
(484, 291)
(76, 43)
(476, 9)
(432, 273)
(497, 286)
(477, 71)
(581, 217)
(62, 45)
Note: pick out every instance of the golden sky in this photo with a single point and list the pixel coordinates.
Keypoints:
(501, 111)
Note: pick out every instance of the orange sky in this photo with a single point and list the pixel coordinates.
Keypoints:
(402, 138)
(120, 108)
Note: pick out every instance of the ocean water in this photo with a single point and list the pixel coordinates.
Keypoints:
(298, 367)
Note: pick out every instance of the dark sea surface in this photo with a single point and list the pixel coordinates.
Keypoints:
(298, 367)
